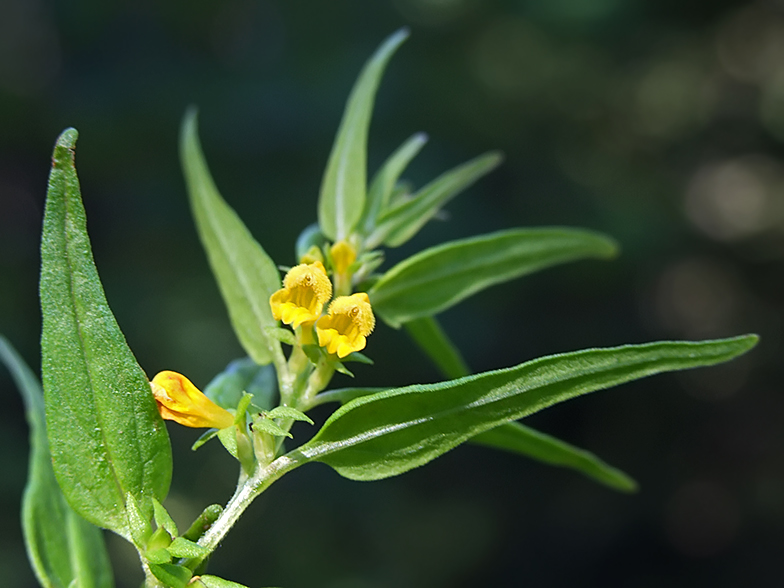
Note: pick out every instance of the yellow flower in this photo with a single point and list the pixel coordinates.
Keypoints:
(306, 288)
(180, 401)
(349, 322)
(343, 255)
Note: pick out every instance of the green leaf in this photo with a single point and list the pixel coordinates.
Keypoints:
(207, 435)
(216, 582)
(244, 375)
(62, 546)
(439, 277)
(399, 224)
(358, 357)
(172, 575)
(282, 335)
(181, 547)
(386, 178)
(203, 522)
(389, 433)
(343, 188)
(247, 277)
(228, 437)
(105, 434)
(163, 519)
(518, 438)
(287, 412)
(428, 334)
(343, 395)
(261, 423)
(513, 436)
(139, 528)
(160, 555)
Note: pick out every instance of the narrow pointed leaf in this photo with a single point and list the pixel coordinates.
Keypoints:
(386, 178)
(287, 412)
(246, 276)
(215, 582)
(61, 546)
(105, 434)
(389, 433)
(172, 575)
(514, 437)
(439, 277)
(518, 438)
(182, 547)
(399, 224)
(203, 522)
(431, 338)
(163, 519)
(343, 188)
(523, 440)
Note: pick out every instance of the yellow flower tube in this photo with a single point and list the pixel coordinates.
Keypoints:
(180, 401)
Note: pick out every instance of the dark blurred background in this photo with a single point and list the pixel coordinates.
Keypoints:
(658, 122)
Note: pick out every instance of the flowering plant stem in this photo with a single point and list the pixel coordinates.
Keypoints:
(101, 453)
(243, 496)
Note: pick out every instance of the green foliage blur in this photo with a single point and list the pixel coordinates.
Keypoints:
(657, 122)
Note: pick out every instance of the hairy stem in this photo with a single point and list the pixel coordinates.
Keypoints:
(243, 497)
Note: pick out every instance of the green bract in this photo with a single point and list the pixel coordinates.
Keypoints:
(110, 455)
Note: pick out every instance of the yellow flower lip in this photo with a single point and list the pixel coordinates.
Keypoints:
(346, 327)
(180, 401)
(306, 288)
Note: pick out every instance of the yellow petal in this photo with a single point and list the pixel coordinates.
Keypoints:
(180, 401)
(346, 327)
(306, 288)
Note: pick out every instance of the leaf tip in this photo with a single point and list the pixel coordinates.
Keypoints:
(67, 139)
(749, 341)
(399, 36)
(610, 248)
(494, 158)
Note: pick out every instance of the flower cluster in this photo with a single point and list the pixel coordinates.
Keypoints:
(306, 288)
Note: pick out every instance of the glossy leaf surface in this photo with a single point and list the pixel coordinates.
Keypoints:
(246, 275)
(342, 197)
(389, 433)
(62, 546)
(105, 434)
(439, 277)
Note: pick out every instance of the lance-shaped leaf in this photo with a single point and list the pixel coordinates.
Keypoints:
(105, 434)
(439, 277)
(523, 440)
(397, 225)
(386, 178)
(62, 546)
(246, 276)
(343, 188)
(389, 433)
(514, 437)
